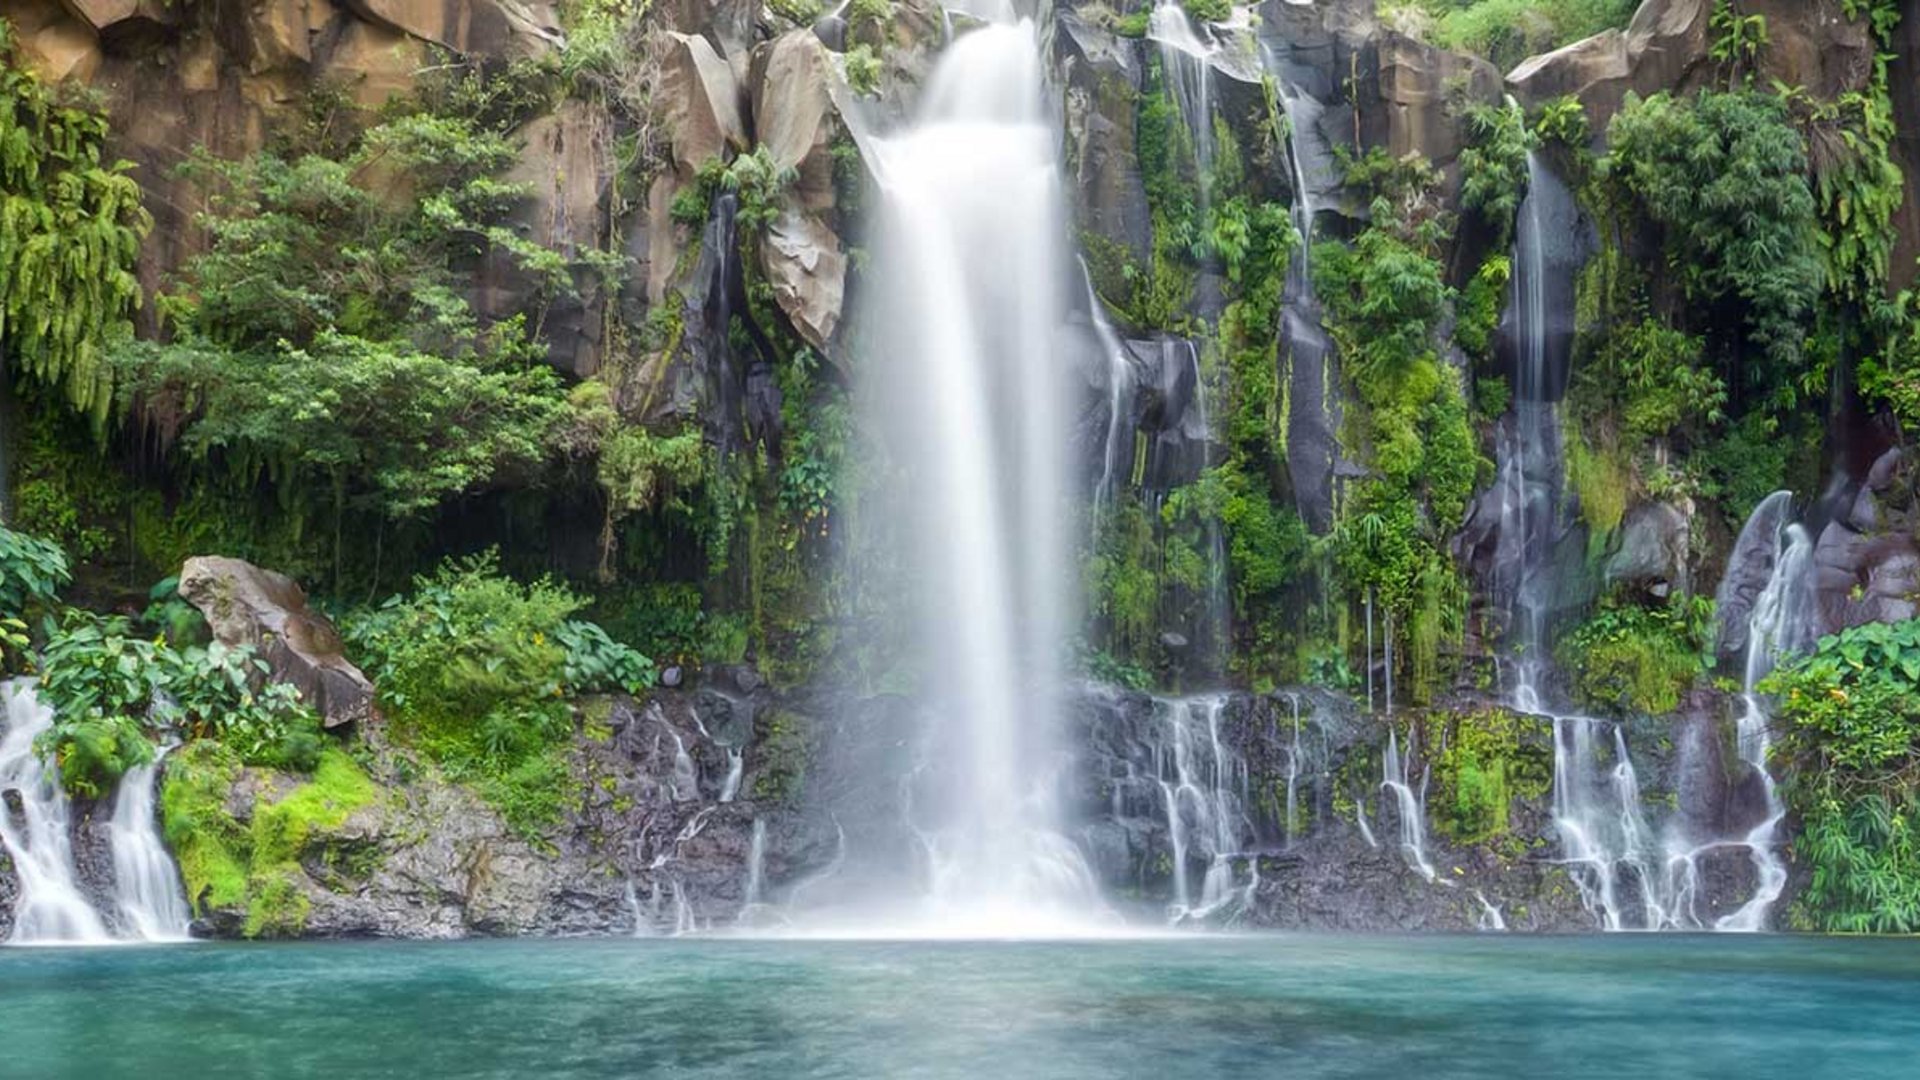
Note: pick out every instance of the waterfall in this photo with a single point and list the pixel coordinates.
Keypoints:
(1117, 454)
(1395, 781)
(968, 395)
(1185, 60)
(1305, 347)
(1777, 626)
(50, 909)
(1529, 469)
(1218, 607)
(1490, 917)
(146, 883)
(756, 860)
(736, 764)
(1205, 787)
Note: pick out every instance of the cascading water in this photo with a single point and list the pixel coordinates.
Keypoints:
(969, 398)
(1777, 626)
(1185, 59)
(1205, 788)
(1410, 804)
(146, 883)
(50, 909)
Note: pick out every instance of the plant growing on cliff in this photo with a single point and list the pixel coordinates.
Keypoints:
(1852, 715)
(1723, 177)
(1738, 41)
(1493, 168)
(70, 228)
(474, 670)
(1637, 660)
(32, 570)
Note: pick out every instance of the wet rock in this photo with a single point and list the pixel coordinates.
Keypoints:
(1101, 73)
(1652, 551)
(247, 606)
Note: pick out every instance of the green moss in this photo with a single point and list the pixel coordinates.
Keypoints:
(1487, 761)
(1631, 659)
(785, 741)
(210, 846)
(257, 869)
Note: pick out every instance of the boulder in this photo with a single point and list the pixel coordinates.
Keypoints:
(1421, 88)
(797, 119)
(248, 606)
(701, 103)
(566, 166)
(1652, 552)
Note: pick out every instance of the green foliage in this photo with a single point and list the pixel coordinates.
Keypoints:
(1483, 762)
(474, 669)
(1746, 464)
(798, 12)
(254, 868)
(1635, 660)
(1724, 178)
(104, 682)
(70, 229)
(1477, 314)
(1493, 168)
(1509, 31)
(863, 70)
(32, 570)
(1852, 710)
(1738, 40)
(1562, 122)
(1208, 10)
(1856, 180)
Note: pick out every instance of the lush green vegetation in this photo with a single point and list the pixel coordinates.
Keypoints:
(1851, 752)
(1628, 659)
(475, 670)
(1508, 31)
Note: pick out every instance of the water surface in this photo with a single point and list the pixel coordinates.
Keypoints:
(1270, 1006)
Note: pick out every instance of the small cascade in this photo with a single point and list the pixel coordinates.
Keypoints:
(1117, 455)
(756, 867)
(1218, 606)
(1490, 917)
(1205, 787)
(50, 909)
(1185, 56)
(1777, 626)
(641, 926)
(1411, 804)
(1304, 344)
(736, 764)
(685, 782)
(1293, 772)
(146, 883)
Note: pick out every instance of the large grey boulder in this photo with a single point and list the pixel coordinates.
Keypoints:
(248, 606)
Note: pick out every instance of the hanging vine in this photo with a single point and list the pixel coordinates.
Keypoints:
(70, 230)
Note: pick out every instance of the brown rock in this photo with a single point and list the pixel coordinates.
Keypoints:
(808, 272)
(1811, 45)
(247, 606)
(495, 28)
(701, 100)
(1421, 87)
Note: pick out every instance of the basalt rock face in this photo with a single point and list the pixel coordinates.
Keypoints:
(660, 839)
(1668, 47)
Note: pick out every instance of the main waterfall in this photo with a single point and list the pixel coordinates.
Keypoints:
(967, 393)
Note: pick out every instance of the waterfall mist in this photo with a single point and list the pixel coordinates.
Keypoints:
(963, 390)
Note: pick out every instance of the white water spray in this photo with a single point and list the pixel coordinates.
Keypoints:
(50, 909)
(1206, 787)
(146, 883)
(969, 392)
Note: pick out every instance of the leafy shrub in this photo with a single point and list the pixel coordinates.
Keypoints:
(474, 668)
(1852, 715)
(106, 683)
(1630, 659)
(1508, 31)
(31, 572)
(1725, 177)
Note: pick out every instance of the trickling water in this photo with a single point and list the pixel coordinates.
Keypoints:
(1410, 804)
(1120, 388)
(1185, 57)
(146, 883)
(1293, 771)
(969, 395)
(756, 863)
(1218, 609)
(50, 908)
(736, 764)
(1205, 786)
(1777, 627)
(1490, 917)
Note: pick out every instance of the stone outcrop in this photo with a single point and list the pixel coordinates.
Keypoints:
(1668, 47)
(796, 119)
(246, 606)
